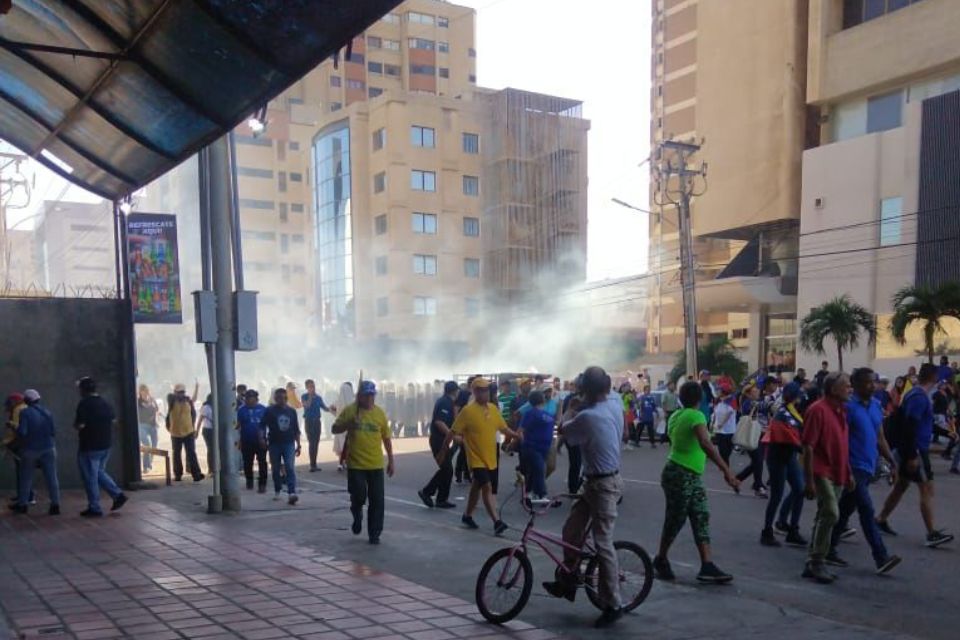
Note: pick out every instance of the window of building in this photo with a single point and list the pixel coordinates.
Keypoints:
(424, 223)
(252, 141)
(424, 265)
(267, 236)
(374, 42)
(891, 211)
(471, 227)
(471, 267)
(859, 11)
(373, 92)
(422, 136)
(444, 72)
(738, 334)
(471, 186)
(252, 172)
(472, 52)
(884, 112)
(296, 208)
(472, 78)
(472, 307)
(285, 272)
(380, 265)
(297, 238)
(299, 268)
(379, 139)
(282, 181)
(424, 306)
(335, 81)
(382, 307)
(420, 18)
(391, 70)
(471, 143)
(249, 203)
(380, 182)
(443, 22)
(423, 69)
(443, 47)
(375, 67)
(283, 212)
(293, 100)
(335, 106)
(294, 146)
(391, 45)
(380, 224)
(356, 84)
(284, 243)
(423, 180)
(282, 152)
(780, 346)
(296, 177)
(421, 43)
(392, 18)
(355, 57)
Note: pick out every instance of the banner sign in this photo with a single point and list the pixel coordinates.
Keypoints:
(154, 268)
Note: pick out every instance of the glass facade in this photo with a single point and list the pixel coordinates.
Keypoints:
(780, 346)
(334, 233)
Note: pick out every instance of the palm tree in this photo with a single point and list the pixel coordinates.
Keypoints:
(841, 319)
(928, 306)
(717, 357)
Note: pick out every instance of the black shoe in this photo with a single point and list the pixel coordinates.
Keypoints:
(560, 590)
(885, 528)
(834, 560)
(89, 513)
(375, 540)
(849, 532)
(446, 504)
(250, 485)
(357, 525)
(20, 509)
(954, 471)
(887, 565)
(262, 488)
(662, 569)
(767, 538)
(313, 468)
(198, 478)
(292, 500)
(469, 522)
(712, 574)
(178, 479)
(781, 527)
(608, 617)
(794, 539)
(500, 526)
(427, 500)
(818, 573)
(54, 510)
(119, 501)
(937, 538)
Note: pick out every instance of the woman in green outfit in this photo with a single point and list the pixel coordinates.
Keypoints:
(682, 482)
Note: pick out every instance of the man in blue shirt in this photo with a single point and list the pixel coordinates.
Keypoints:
(313, 407)
(36, 434)
(253, 442)
(865, 421)
(283, 443)
(442, 420)
(647, 409)
(945, 372)
(911, 433)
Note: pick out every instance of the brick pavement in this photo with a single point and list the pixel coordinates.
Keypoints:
(152, 572)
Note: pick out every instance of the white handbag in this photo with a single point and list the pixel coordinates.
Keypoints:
(747, 435)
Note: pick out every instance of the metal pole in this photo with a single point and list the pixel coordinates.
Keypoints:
(687, 280)
(214, 501)
(132, 473)
(221, 200)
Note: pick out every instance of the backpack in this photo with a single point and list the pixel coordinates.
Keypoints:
(898, 429)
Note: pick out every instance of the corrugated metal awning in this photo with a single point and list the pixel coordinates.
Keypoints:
(113, 93)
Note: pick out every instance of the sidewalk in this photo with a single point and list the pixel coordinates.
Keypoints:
(153, 572)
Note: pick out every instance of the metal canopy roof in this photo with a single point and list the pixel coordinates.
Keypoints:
(113, 93)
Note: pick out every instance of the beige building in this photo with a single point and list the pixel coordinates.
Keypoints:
(74, 249)
(881, 193)
(731, 76)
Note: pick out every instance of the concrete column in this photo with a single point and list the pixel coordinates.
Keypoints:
(220, 259)
(755, 338)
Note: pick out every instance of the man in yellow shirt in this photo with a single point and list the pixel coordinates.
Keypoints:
(478, 424)
(366, 427)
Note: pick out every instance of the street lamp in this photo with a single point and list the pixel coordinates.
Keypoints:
(630, 206)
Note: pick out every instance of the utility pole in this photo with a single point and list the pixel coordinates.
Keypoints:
(9, 186)
(678, 186)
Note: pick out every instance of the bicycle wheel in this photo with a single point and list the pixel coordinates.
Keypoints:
(504, 585)
(635, 575)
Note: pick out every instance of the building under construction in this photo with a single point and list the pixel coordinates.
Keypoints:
(535, 204)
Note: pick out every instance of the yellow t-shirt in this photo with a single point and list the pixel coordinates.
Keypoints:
(364, 445)
(479, 425)
(181, 420)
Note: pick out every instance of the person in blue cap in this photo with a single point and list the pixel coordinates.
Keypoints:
(443, 414)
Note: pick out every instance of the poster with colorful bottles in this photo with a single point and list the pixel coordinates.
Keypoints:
(154, 269)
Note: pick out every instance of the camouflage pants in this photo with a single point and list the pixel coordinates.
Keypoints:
(686, 498)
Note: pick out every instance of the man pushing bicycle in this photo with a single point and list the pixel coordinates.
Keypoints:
(597, 428)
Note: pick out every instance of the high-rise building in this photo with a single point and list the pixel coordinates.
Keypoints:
(74, 249)
(881, 193)
(731, 76)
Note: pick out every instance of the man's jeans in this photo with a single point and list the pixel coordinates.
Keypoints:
(859, 500)
(828, 512)
(283, 452)
(148, 438)
(313, 427)
(208, 441)
(47, 459)
(93, 471)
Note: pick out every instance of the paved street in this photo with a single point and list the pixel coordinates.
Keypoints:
(299, 571)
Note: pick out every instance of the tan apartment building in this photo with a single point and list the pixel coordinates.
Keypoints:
(731, 76)
(881, 194)
(74, 248)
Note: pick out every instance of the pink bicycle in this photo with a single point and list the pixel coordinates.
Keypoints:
(506, 579)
